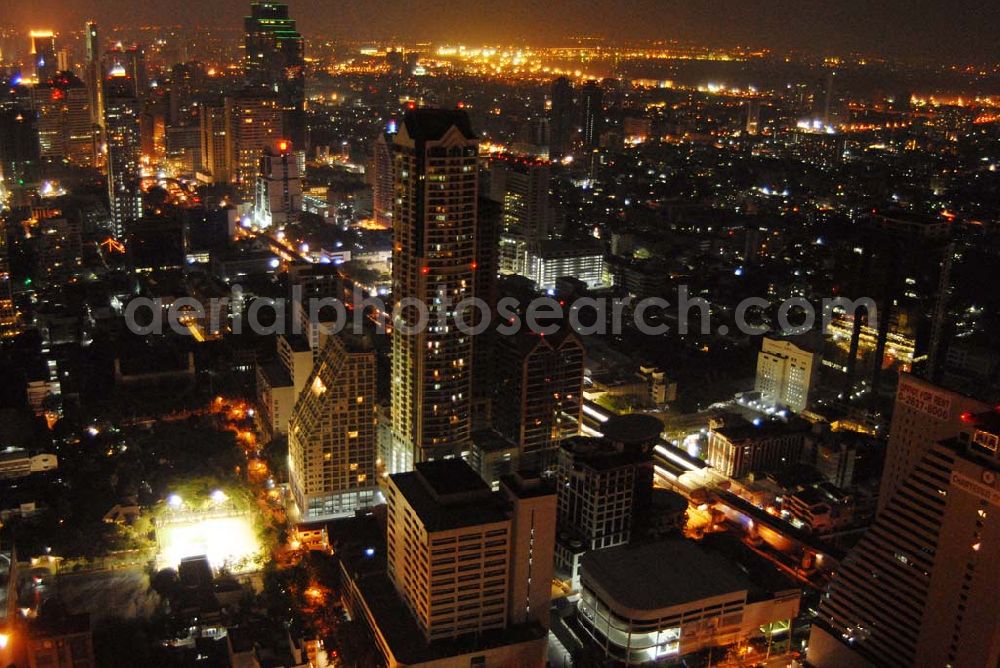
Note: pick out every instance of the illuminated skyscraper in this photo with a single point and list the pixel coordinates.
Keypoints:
(93, 73)
(923, 415)
(43, 54)
(521, 185)
(133, 60)
(121, 122)
(592, 113)
(434, 263)
(786, 373)
(65, 123)
(382, 182)
(275, 61)
(331, 435)
(278, 199)
(254, 123)
(215, 158)
(920, 587)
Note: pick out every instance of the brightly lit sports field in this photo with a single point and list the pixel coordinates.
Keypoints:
(228, 541)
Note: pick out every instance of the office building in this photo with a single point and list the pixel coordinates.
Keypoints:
(592, 113)
(910, 290)
(597, 485)
(521, 185)
(9, 318)
(923, 415)
(215, 156)
(93, 75)
(275, 62)
(64, 120)
(253, 124)
(132, 59)
(561, 118)
(278, 199)
(280, 383)
(44, 57)
(638, 613)
(331, 435)
(121, 123)
(554, 259)
(786, 373)
(19, 150)
(466, 574)
(920, 587)
(538, 392)
(465, 559)
(433, 262)
(761, 447)
(532, 509)
(383, 188)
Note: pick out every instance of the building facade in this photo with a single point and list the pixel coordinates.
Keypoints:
(331, 435)
(433, 266)
(920, 587)
(786, 373)
(583, 260)
(253, 125)
(278, 197)
(275, 61)
(121, 124)
(521, 185)
(739, 450)
(449, 549)
(538, 392)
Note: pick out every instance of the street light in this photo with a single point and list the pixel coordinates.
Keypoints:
(174, 501)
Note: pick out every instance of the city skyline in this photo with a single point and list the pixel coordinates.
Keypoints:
(332, 338)
(897, 29)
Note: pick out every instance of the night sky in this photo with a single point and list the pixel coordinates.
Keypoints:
(955, 31)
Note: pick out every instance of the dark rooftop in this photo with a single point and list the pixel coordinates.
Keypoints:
(448, 494)
(661, 575)
(450, 476)
(276, 374)
(431, 124)
(633, 428)
(766, 429)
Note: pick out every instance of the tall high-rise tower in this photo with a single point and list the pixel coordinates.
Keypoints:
(381, 179)
(8, 314)
(215, 157)
(253, 124)
(278, 198)
(521, 184)
(331, 435)
(43, 54)
(592, 113)
(561, 118)
(121, 122)
(92, 73)
(433, 264)
(920, 587)
(65, 123)
(275, 61)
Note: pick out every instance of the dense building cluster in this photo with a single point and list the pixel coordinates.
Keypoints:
(338, 352)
